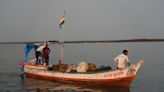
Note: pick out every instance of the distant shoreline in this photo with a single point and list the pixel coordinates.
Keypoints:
(92, 41)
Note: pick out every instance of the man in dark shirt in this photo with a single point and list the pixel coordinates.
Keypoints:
(46, 52)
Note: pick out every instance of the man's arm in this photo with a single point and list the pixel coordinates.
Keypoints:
(128, 63)
(49, 50)
(116, 60)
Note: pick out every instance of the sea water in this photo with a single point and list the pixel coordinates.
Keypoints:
(148, 79)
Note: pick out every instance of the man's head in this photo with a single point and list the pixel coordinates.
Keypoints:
(125, 52)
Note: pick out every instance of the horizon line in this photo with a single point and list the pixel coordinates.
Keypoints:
(92, 41)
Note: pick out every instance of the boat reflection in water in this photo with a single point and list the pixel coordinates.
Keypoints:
(36, 85)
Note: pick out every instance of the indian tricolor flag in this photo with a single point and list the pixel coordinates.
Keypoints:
(61, 21)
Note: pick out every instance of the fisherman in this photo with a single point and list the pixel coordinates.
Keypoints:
(39, 51)
(122, 60)
(46, 52)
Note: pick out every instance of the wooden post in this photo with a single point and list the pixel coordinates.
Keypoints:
(62, 43)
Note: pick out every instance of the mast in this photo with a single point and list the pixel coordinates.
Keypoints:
(62, 46)
(62, 40)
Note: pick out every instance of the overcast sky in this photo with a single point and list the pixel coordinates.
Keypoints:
(33, 20)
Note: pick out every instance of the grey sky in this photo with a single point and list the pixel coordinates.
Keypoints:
(32, 20)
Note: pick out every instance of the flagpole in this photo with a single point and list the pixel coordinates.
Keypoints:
(62, 44)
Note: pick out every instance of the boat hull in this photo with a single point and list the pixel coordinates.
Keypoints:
(122, 77)
(126, 81)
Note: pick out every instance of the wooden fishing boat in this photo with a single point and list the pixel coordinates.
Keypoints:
(117, 77)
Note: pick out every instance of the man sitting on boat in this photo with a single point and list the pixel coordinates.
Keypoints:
(122, 60)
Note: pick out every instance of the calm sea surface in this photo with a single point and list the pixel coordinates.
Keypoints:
(148, 79)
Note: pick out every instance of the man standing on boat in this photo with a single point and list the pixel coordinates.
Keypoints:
(39, 51)
(122, 60)
(46, 52)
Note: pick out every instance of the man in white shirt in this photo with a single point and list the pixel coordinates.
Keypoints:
(39, 51)
(122, 60)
